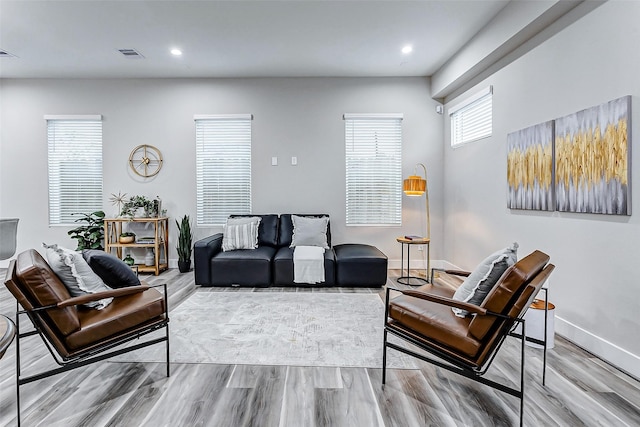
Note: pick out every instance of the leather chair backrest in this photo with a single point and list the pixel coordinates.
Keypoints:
(34, 284)
(286, 228)
(507, 292)
(518, 309)
(267, 230)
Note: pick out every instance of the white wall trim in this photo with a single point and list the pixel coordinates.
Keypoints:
(611, 353)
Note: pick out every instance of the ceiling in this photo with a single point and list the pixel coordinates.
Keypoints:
(304, 38)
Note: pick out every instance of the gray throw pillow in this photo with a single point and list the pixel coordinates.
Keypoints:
(240, 233)
(309, 231)
(76, 274)
(484, 277)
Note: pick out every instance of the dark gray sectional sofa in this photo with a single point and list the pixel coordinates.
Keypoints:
(271, 263)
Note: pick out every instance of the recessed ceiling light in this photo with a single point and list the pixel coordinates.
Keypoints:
(407, 49)
(176, 52)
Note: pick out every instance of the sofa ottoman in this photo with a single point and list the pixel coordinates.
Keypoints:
(360, 265)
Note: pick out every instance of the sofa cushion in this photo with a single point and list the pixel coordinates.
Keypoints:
(286, 228)
(241, 233)
(267, 230)
(309, 231)
(484, 277)
(243, 267)
(283, 267)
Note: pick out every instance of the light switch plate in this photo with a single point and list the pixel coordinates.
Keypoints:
(294, 161)
(274, 161)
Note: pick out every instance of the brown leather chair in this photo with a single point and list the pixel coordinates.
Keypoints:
(468, 345)
(76, 336)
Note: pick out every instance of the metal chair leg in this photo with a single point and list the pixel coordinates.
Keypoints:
(384, 358)
(544, 354)
(17, 365)
(522, 345)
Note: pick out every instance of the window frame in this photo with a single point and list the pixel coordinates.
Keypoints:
(472, 108)
(392, 217)
(212, 218)
(56, 181)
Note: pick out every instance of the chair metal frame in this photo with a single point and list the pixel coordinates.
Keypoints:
(94, 354)
(542, 342)
(453, 364)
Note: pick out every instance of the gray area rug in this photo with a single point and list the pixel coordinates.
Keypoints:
(284, 328)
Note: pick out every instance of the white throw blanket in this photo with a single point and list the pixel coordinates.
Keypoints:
(308, 264)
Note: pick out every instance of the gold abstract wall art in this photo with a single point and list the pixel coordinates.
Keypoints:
(530, 168)
(593, 159)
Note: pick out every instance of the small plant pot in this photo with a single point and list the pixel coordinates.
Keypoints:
(184, 266)
(127, 239)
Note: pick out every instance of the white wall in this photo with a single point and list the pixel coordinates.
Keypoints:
(596, 287)
(292, 117)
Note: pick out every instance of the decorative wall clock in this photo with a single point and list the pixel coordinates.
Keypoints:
(145, 160)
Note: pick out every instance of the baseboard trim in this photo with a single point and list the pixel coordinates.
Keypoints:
(418, 264)
(605, 350)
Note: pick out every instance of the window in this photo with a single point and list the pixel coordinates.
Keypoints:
(374, 168)
(471, 120)
(223, 167)
(75, 166)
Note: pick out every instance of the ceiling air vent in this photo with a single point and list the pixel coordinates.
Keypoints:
(5, 54)
(130, 53)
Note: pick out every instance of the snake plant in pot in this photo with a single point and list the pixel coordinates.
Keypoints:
(185, 237)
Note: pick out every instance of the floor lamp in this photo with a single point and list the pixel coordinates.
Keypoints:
(416, 186)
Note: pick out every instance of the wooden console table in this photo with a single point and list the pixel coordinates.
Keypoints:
(160, 244)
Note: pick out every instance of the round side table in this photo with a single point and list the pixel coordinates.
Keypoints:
(406, 280)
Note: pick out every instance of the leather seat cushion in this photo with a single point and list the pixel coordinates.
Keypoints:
(250, 267)
(360, 265)
(122, 314)
(435, 321)
(283, 267)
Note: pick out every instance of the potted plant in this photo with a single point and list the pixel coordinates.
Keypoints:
(132, 206)
(127, 237)
(91, 235)
(185, 238)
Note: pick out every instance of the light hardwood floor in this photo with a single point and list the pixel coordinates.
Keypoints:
(581, 389)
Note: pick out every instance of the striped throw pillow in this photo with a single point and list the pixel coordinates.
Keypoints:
(240, 236)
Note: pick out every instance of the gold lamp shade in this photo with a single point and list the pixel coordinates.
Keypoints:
(414, 185)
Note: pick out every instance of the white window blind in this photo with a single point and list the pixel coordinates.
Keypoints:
(74, 166)
(473, 119)
(223, 167)
(374, 169)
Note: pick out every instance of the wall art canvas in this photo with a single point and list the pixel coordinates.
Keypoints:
(593, 159)
(530, 168)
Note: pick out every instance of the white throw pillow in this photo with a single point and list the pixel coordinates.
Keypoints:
(75, 273)
(484, 277)
(309, 231)
(240, 233)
